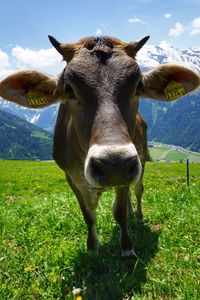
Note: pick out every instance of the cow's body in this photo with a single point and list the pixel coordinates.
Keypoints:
(70, 157)
(100, 138)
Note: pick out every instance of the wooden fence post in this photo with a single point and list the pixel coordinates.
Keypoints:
(187, 172)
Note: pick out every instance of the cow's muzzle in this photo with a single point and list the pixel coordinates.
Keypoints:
(108, 166)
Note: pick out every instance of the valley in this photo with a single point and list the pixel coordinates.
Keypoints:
(170, 153)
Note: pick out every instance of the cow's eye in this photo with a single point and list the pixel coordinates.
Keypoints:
(69, 92)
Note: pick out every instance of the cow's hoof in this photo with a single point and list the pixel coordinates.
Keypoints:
(126, 254)
(130, 258)
(140, 219)
(92, 251)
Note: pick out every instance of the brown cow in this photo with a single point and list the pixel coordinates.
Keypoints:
(100, 138)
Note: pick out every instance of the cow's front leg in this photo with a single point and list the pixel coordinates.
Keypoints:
(139, 188)
(89, 214)
(88, 204)
(120, 212)
(88, 201)
(92, 239)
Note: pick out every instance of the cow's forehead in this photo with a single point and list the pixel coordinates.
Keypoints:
(111, 42)
(101, 54)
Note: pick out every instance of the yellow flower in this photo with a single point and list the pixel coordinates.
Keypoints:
(27, 269)
(77, 297)
(76, 292)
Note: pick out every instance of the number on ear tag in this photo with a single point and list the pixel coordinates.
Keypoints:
(36, 98)
(174, 90)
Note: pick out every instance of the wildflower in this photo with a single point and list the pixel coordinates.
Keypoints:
(76, 292)
(27, 269)
(78, 297)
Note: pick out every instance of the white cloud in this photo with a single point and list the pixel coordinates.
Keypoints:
(36, 58)
(45, 60)
(6, 72)
(98, 31)
(101, 28)
(177, 30)
(195, 26)
(4, 60)
(5, 65)
(136, 20)
(167, 15)
(164, 44)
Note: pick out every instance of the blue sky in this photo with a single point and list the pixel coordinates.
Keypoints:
(25, 24)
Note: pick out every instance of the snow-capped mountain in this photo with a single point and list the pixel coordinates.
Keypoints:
(44, 118)
(148, 57)
(151, 56)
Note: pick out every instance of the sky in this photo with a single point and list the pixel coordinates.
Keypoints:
(25, 25)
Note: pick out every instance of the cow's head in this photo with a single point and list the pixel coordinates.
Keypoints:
(102, 82)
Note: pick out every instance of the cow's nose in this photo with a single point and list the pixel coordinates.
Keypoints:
(112, 167)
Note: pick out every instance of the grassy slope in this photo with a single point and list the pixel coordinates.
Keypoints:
(168, 153)
(22, 140)
(42, 246)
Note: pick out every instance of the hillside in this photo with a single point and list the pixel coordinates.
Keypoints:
(170, 153)
(44, 118)
(22, 140)
(175, 123)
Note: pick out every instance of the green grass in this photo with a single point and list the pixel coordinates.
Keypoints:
(43, 238)
(175, 156)
(162, 152)
(40, 134)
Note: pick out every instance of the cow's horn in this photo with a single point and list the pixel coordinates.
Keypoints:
(67, 50)
(133, 47)
(140, 43)
(56, 44)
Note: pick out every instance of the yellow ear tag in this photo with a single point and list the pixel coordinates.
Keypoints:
(36, 98)
(174, 90)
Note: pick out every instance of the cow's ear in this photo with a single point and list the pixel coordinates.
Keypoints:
(30, 89)
(168, 82)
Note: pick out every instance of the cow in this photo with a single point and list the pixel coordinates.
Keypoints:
(100, 139)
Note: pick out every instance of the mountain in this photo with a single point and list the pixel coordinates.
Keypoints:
(151, 56)
(173, 123)
(176, 123)
(44, 118)
(22, 140)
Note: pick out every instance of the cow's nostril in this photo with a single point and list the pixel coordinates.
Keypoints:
(132, 167)
(97, 169)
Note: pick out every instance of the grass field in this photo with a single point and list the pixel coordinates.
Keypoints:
(170, 153)
(43, 238)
